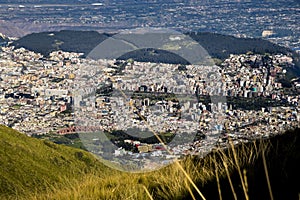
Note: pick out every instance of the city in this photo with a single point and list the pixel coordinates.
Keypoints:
(149, 99)
(38, 96)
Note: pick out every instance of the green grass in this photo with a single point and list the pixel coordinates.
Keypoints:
(17, 106)
(71, 140)
(35, 169)
(29, 165)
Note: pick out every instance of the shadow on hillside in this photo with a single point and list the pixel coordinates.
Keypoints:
(282, 158)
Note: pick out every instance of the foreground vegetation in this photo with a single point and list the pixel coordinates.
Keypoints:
(36, 169)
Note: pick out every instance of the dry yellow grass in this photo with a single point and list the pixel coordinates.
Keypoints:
(167, 183)
(223, 174)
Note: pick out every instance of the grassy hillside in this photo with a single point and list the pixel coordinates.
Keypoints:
(33, 169)
(29, 165)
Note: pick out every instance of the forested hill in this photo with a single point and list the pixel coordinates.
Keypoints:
(71, 41)
(218, 46)
(221, 46)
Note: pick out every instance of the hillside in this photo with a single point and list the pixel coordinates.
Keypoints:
(73, 41)
(37, 169)
(217, 45)
(29, 165)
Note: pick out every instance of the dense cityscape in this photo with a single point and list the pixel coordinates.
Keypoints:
(38, 97)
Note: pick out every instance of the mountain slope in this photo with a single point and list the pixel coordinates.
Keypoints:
(36, 169)
(28, 164)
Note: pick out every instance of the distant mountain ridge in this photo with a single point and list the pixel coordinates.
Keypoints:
(217, 45)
